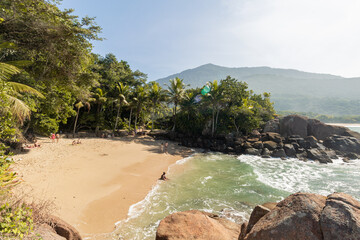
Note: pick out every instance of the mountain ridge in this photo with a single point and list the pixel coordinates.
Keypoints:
(291, 89)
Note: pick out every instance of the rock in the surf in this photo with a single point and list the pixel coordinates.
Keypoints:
(196, 225)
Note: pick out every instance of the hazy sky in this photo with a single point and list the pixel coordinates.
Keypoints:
(162, 37)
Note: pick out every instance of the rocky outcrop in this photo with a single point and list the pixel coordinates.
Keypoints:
(296, 217)
(295, 136)
(196, 225)
(303, 126)
(306, 216)
(300, 216)
(293, 125)
(47, 233)
(343, 143)
(64, 229)
(340, 218)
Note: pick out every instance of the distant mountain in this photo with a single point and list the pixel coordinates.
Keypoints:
(291, 90)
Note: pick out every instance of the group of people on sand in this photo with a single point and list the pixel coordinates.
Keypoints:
(35, 145)
(76, 142)
(164, 147)
(54, 137)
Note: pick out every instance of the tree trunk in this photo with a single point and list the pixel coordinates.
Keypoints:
(213, 122)
(76, 119)
(97, 119)
(117, 117)
(152, 121)
(130, 118)
(217, 117)
(174, 117)
(136, 117)
(237, 129)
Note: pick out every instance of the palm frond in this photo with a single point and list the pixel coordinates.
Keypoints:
(20, 110)
(7, 70)
(19, 87)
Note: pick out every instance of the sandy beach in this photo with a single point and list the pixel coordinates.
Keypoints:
(94, 183)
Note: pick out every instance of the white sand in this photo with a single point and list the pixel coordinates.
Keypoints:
(93, 184)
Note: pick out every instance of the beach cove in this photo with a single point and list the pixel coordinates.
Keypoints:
(93, 184)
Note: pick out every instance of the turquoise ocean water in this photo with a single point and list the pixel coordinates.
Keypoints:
(231, 186)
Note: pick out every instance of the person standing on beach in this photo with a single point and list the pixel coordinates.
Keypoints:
(166, 144)
(57, 137)
(162, 147)
(53, 137)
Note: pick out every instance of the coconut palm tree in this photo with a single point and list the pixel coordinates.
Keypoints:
(100, 99)
(124, 91)
(215, 97)
(176, 92)
(156, 96)
(12, 91)
(141, 96)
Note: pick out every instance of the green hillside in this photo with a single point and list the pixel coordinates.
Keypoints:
(291, 90)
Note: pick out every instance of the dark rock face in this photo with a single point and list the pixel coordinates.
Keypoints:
(294, 136)
(296, 217)
(290, 150)
(279, 153)
(272, 126)
(252, 151)
(321, 130)
(343, 143)
(294, 125)
(196, 225)
(258, 212)
(318, 154)
(270, 145)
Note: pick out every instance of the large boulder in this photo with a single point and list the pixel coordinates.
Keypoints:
(252, 151)
(258, 212)
(290, 150)
(294, 125)
(272, 126)
(270, 145)
(278, 153)
(64, 229)
(296, 217)
(46, 232)
(196, 225)
(340, 219)
(343, 143)
(322, 130)
(318, 154)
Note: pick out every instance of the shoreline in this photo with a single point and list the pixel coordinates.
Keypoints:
(94, 184)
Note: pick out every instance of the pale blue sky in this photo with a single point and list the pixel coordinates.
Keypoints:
(162, 37)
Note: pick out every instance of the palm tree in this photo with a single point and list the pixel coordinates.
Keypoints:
(215, 96)
(141, 95)
(156, 96)
(176, 92)
(100, 99)
(11, 91)
(188, 103)
(78, 105)
(124, 91)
